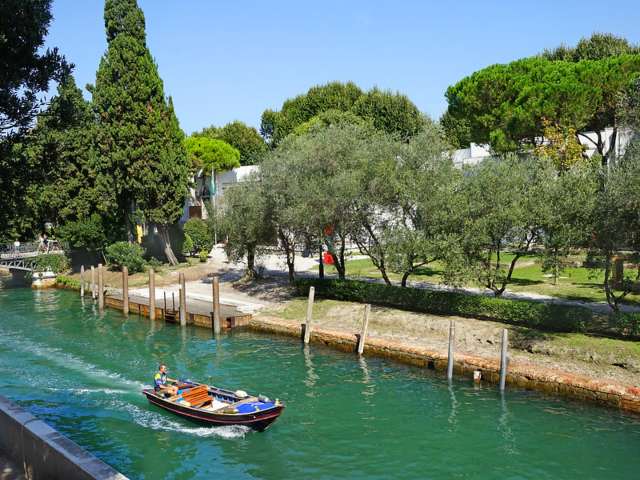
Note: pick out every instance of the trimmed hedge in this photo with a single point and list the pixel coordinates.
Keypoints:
(539, 315)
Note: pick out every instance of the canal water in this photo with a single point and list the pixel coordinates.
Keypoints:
(345, 418)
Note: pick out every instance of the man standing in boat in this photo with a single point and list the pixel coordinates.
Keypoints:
(160, 381)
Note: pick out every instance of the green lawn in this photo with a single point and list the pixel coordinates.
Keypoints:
(575, 283)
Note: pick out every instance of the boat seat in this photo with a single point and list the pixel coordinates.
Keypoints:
(197, 396)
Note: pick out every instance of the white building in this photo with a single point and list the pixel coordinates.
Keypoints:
(476, 153)
(209, 188)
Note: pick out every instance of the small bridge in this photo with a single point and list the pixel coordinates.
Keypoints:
(24, 256)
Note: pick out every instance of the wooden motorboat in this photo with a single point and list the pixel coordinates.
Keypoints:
(217, 407)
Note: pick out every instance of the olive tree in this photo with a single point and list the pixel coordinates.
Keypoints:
(616, 227)
(497, 217)
(246, 222)
(425, 182)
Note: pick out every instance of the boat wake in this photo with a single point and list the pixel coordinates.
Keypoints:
(156, 421)
(66, 360)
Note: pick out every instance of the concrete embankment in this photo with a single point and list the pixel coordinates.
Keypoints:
(43, 452)
(520, 374)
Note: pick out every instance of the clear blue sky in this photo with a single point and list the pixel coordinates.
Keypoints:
(227, 60)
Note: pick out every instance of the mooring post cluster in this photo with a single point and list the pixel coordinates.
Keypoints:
(362, 337)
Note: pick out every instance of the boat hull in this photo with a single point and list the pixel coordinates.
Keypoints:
(258, 421)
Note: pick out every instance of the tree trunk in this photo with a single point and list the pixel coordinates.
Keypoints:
(163, 235)
(506, 281)
(611, 297)
(340, 264)
(405, 277)
(321, 265)
(290, 253)
(251, 261)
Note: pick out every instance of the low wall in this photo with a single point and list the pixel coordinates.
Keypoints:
(43, 452)
(519, 374)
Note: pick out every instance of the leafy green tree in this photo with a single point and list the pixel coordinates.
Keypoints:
(596, 47)
(187, 245)
(506, 105)
(275, 126)
(86, 232)
(561, 147)
(426, 183)
(211, 154)
(567, 204)
(628, 110)
(281, 175)
(63, 179)
(125, 254)
(247, 223)
(142, 160)
(457, 131)
(25, 74)
(330, 177)
(390, 112)
(330, 117)
(498, 219)
(25, 70)
(201, 237)
(244, 138)
(616, 222)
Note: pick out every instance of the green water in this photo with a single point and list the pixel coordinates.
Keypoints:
(345, 418)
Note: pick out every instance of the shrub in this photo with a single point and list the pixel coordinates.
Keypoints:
(542, 316)
(200, 234)
(51, 262)
(187, 246)
(62, 281)
(125, 254)
(154, 263)
(203, 256)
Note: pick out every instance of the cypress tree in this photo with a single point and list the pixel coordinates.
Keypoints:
(138, 136)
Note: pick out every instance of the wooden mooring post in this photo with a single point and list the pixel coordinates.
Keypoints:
(365, 326)
(183, 301)
(307, 325)
(164, 310)
(450, 359)
(504, 359)
(125, 290)
(100, 289)
(81, 281)
(152, 295)
(93, 282)
(215, 286)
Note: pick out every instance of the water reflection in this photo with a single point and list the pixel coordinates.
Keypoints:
(504, 427)
(369, 389)
(312, 377)
(453, 414)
